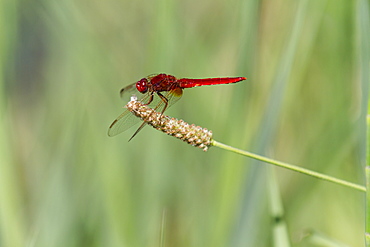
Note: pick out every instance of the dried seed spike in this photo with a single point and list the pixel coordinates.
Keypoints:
(190, 133)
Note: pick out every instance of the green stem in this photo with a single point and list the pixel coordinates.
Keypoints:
(367, 175)
(290, 167)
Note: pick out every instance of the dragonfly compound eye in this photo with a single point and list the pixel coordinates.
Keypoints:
(142, 85)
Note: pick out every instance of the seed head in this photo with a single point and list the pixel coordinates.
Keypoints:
(190, 133)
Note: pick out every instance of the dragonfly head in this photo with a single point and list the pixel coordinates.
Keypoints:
(142, 85)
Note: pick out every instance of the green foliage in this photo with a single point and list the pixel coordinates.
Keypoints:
(64, 182)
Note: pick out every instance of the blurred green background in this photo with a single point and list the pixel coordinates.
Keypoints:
(64, 182)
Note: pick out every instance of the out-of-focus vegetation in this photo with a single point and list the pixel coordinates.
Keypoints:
(64, 182)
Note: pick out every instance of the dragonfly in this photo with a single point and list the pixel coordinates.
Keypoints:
(158, 91)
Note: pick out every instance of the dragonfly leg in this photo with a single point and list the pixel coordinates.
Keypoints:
(137, 131)
(150, 99)
(165, 101)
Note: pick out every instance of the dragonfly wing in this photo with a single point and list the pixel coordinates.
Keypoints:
(173, 96)
(128, 91)
(123, 122)
(126, 120)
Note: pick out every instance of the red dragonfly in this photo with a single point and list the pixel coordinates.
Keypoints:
(159, 92)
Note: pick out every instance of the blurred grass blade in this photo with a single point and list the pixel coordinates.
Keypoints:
(279, 225)
(266, 132)
(363, 23)
(163, 228)
(12, 221)
(315, 238)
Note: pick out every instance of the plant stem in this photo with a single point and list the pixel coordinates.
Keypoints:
(290, 167)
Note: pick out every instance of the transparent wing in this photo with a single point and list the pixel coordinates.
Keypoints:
(128, 91)
(126, 120)
(123, 122)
